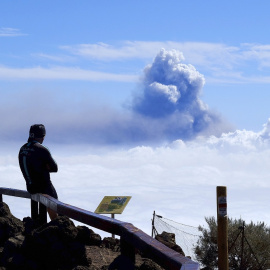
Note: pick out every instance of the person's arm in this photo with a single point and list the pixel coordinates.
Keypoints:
(52, 169)
(51, 165)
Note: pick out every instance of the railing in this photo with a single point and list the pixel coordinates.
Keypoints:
(130, 236)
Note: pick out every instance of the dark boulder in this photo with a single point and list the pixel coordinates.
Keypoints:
(120, 263)
(9, 225)
(52, 246)
(30, 225)
(10, 256)
(149, 265)
(168, 239)
(57, 245)
(111, 243)
(87, 236)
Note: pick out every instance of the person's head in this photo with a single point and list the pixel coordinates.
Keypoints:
(37, 132)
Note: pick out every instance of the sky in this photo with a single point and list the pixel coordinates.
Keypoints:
(161, 100)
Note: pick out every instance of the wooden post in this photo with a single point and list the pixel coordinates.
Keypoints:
(34, 209)
(1, 198)
(42, 213)
(113, 235)
(128, 255)
(153, 223)
(222, 223)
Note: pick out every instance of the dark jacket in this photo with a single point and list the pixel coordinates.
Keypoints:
(36, 163)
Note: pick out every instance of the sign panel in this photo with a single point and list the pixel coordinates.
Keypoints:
(113, 204)
(222, 206)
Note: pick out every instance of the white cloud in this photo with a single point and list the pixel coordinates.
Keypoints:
(61, 73)
(56, 58)
(106, 52)
(244, 139)
(258, 52)
(219, 62)
(10, 32)
(199, 53)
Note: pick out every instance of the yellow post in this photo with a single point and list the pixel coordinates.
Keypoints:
(222, 223)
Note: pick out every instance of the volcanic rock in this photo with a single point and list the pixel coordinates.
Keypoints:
(149, 265)
(168, 239)
(87, 236)
(57, 244)
(9, 225)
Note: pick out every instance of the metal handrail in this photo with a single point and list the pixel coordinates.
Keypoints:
(130, 236)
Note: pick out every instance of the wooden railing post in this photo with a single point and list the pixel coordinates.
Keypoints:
(1, 198)
(34, 209)
(42, 213)
(128, 253)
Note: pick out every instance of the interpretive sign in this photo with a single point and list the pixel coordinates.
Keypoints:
(113, 204)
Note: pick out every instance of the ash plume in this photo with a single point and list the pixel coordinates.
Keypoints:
(171, 93)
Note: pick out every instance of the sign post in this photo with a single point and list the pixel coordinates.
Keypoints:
(113, 205)
(222, 223)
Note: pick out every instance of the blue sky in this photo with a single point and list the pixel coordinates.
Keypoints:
(95, 74)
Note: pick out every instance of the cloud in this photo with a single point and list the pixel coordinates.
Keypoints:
(243, 139)
(10, 32)
(221, 63)
(107, 52)
(199, 53)
(212, 55)
(61, 73)
(54, 58)
(259, 53)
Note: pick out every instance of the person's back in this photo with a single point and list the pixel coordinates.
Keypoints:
(36, 163)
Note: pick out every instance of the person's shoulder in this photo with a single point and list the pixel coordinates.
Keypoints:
(24, 145)
(42, 147)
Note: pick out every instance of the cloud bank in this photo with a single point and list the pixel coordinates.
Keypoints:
(177, 180)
